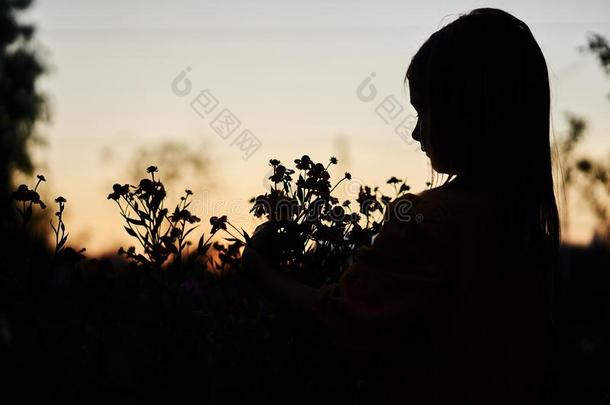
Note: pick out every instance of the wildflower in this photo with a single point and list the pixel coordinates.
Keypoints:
(368, 201)
(333, 160)
(60, 200)
(303, 163)
(274, 162)
(21, 194)
(404, 187)
(152, 169)
(183, 215)
(337, 213)
(118, 191)
(348, 176)
(316, 171)
(283, 208)
(261, 206)
(41, 177)
(218, 223)
(278, 174)
(393, 180)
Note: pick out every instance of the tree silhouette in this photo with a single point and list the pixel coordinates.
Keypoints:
(589, 176)
(21, 104)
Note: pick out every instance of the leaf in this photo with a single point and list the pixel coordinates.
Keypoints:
(158, 221)
(200, 243)
(130, 231)
(142, 259)
(246, 236)
(189, 231)
(62, 242)
(135, 221)
(203, 249)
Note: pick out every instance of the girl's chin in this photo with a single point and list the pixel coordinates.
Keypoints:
(442, 168)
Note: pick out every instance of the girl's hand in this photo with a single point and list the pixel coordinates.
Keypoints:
(262, 239)
(255, 258)
(258, 250)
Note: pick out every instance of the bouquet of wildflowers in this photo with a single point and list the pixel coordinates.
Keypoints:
(315, 234)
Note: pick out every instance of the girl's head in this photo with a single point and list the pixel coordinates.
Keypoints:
(481, 90)
(480, 87)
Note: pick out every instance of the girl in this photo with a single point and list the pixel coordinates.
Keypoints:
(461, 295)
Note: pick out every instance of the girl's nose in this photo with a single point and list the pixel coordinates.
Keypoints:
(416, 132)
(415, 135)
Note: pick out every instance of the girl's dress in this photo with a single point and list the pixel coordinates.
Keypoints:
(436, 311)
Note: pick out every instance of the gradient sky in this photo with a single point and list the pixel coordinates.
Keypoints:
(288, 70)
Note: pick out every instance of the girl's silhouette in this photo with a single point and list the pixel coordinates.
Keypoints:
(455, 307)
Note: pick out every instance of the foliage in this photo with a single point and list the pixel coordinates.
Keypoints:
(587, 175)
(159, 232)
(315, 235)
(25, 199)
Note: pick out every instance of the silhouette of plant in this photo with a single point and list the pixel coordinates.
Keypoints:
(590, 177)
(315, 235)
(598, 45)
(159, 232)
(26, 198)
(62, 252)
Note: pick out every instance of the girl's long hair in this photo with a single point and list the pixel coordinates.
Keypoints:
(486, 87)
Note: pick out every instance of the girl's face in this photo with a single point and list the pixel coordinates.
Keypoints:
(418, 131)
(422, 132)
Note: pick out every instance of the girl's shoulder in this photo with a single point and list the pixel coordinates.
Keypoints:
(455, 200)
(442, 210)
(442, 200)
(422, 217)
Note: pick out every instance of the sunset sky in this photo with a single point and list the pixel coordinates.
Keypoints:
(289, 71)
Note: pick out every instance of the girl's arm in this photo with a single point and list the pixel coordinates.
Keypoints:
(390, 285)
(298, 298)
